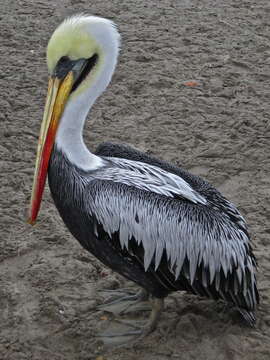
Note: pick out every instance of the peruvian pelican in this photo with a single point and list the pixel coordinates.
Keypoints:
(152, 222)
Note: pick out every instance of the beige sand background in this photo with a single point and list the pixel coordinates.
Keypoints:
(50, 287)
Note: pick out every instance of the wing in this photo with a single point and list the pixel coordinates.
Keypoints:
(147, 177)
(213, 246)
(201, 186)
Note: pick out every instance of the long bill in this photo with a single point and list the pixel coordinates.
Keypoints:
(58, 92)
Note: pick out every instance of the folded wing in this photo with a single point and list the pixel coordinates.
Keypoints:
(198, 242)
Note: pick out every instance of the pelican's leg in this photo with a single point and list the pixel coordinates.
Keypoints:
(157, 308)
(125, 303)
(137, 330)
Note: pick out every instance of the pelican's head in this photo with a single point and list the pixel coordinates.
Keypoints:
(80, 45)
(81, 57)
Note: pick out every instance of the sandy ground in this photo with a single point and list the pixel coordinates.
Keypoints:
(50, 287)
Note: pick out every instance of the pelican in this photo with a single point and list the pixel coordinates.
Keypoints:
(150, 221)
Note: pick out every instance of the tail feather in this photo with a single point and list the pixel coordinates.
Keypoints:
(248, 316)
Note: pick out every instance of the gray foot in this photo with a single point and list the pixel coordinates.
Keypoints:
(129, 333)
(124, 303)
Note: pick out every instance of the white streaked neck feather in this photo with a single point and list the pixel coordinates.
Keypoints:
(69, 134)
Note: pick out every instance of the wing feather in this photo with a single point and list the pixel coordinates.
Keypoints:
(149, 178)
(192, 237)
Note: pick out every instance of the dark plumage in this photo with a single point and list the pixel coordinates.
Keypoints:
(82, 199)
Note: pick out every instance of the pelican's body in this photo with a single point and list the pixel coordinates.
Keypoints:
(162, 243)
(148, 220)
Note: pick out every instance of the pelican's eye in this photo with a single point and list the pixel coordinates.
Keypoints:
(63, 67)
(80, 68)
(63, 60)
